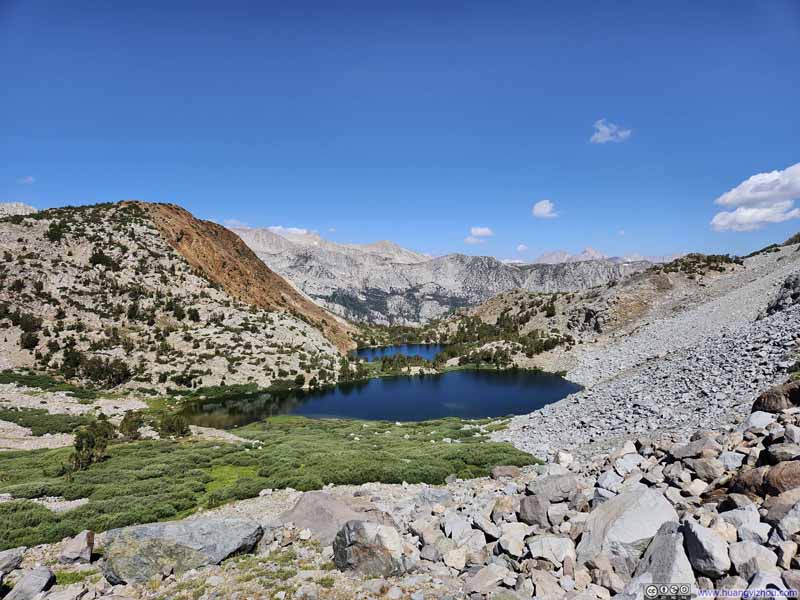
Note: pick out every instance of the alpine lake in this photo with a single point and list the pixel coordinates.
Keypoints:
(468, 394)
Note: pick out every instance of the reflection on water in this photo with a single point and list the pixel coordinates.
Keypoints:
(426, 351)
(467, 394)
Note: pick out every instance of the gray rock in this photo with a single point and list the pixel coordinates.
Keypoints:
(478, 551)
(783, 511)
(456, 526)
(695, 448)
(371, 550)
(792, 579)
(781, 452)
(610, 481)
(32, 583)
(767, 580)
(533, 510)
(76, 591)
(505, 471)
(78, 549)
(601, 495)
(624, 525)
(707, 469)
(747, 515)
(731, 460)
(135, 554)
(786, 551)
(324, 514)
(749, 558)
(758, 420)
(513, 538)
(665, 560)
(550, 547)
(792, 434)
(430, 552)
(10, 560)
(707, 551)
(486, 526)
(456, 558)
(627, 463)
(790, 522)
(487, 578)
(546, 585)
(557, 513)
(732, 582)
(555, 488)
(758, 533)
(431, 495)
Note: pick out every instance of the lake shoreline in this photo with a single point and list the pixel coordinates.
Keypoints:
(464, 391)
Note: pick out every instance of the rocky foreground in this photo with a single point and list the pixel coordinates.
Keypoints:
(679, 370)
(719, 510)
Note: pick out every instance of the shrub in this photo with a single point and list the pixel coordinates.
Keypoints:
(99, 257)
(40, 422)
(130, 425)
(154, 480)
(91, 442)
(172, 425)
(28, 340)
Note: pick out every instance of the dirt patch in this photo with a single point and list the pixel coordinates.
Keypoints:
(223, 258)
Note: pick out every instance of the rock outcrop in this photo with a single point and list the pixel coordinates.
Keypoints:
(9, 209)
(372, 550)
(136, 554)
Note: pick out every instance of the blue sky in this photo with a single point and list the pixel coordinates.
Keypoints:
(413, 121)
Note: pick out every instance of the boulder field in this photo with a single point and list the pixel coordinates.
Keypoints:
(719, 510)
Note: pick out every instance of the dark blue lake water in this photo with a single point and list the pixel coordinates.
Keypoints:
(467, 394)
(426, 351)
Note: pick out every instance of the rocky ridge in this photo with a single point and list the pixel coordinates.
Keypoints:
(147, 296)
(385, 284)
(8, 209)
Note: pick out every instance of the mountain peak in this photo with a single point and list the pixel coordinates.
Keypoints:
(8, 209)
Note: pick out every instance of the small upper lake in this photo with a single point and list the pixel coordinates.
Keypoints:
(466, 394)
(426, 351)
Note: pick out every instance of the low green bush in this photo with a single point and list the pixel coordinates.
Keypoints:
(46, 383)
(156, 480)
(42, 422)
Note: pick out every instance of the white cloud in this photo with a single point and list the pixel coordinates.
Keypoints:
(472, 240)
(747, 218)
(281, 230)
(522, 248)
(605, 132)
(236, 224)
(621, 232)
(332, 229)
(481, 232)
(544, 209)
(762, 199)
(27, 180)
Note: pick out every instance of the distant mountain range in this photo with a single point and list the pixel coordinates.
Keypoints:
(387, 284)
(588, 253)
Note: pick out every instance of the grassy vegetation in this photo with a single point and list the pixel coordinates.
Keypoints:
(42, 422)
(46, 384)
(697, 265)
(158, 480)
(70, 577)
